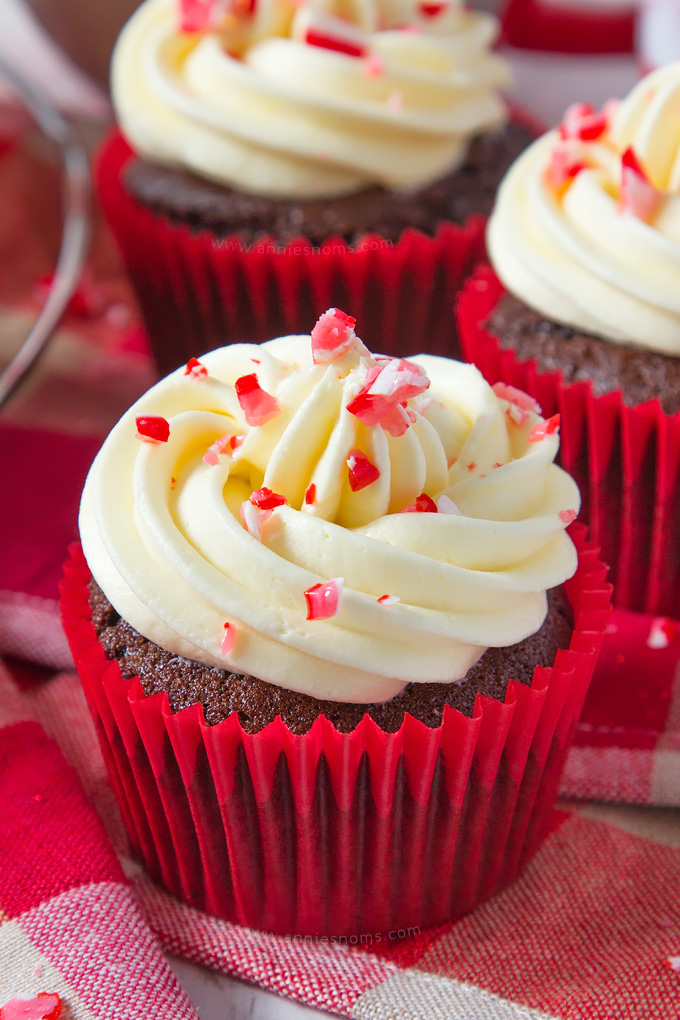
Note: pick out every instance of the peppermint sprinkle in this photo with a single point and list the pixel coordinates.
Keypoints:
(388, 600)
(583, 123)
(152, 428)
(195, 369)
(516, 397)
(639, 197)
(544, 428)
(445, 505)
(373, 66)
(387, 388)
(196, 15)
(265, 499)
(424, 504)
(332, 336)
(253, 518)
(44, 1006)
(673, 962)
(324, 600)
(228, 639)
(661, 633)
(310, 494)
(257, 405)
(567, 516)
(221, 445)
(361, 471)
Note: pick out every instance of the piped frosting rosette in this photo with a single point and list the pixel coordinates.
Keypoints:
(319, 98)
(586, 227)
(331, 521)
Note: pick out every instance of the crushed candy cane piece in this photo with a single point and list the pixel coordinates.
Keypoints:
(638, 197)
(567, 516)
(310, 494)
(445, 505)
(661, 632)
(324, 600)
(373, 66)
(389, 600)
(44, 1006)
(387, 387)
(333, 33)
(673, 962)
(196, 15)
(431, 10)
(228, 638)
(563, 166)
(221, 445)
(516, 396)
(332, 336)
(424, 504)
(472, 465)
(258, 406)
(195, 369)
(544, 428)
(253, 518)
(265, 499)
(361, 471)
(152, 428)
(582, 122)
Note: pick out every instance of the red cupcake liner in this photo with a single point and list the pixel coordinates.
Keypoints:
(625, 460)
(339, 834)
(563, 26)
(197, 292)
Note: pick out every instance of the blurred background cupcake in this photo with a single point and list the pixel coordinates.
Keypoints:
(332, 687)
(276, 159)
(585, 314)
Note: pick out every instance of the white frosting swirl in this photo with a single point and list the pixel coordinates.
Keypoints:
(162, 532)
(572, 254)
(256, 107)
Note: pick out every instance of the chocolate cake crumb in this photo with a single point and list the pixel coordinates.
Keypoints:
(640, 374)
(183, 197)
(258, 703)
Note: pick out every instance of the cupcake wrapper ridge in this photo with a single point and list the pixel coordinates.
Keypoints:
(625, 460)
(198, 291)
(339, 834)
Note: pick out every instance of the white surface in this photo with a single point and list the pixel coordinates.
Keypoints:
(217, 997)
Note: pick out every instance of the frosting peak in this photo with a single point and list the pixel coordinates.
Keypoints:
(341, 524)
(586, 227)
(320, 98)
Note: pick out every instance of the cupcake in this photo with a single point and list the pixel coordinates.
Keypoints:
(333, 631)
(277, 157)
(584, 314)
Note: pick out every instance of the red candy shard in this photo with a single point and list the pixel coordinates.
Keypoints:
(324, 600)
(544, 428)
(45, 1006)
(388, 600)
(228, 638)
(516, 396)
(310, 494)
(265, 499)
(258, 406)
(567, 516)
(387, 387)
(332, 33)
(424, 504)
(563, 167)
(196, 15)
(332, 336)
(253, 518)
(673, 962)
(195, 369)
(152, 428)
(661, 632)
(638, 197)
(582, 122)
(431, 10)
(361, 471)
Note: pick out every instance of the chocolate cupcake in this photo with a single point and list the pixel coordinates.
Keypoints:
(283, 157)
(585, 240)
(318, 606)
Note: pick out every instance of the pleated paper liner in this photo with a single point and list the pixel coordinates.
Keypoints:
(626, 460)
(198, 292)
(339, 834)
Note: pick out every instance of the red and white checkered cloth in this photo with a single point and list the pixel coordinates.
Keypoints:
(591, 930)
